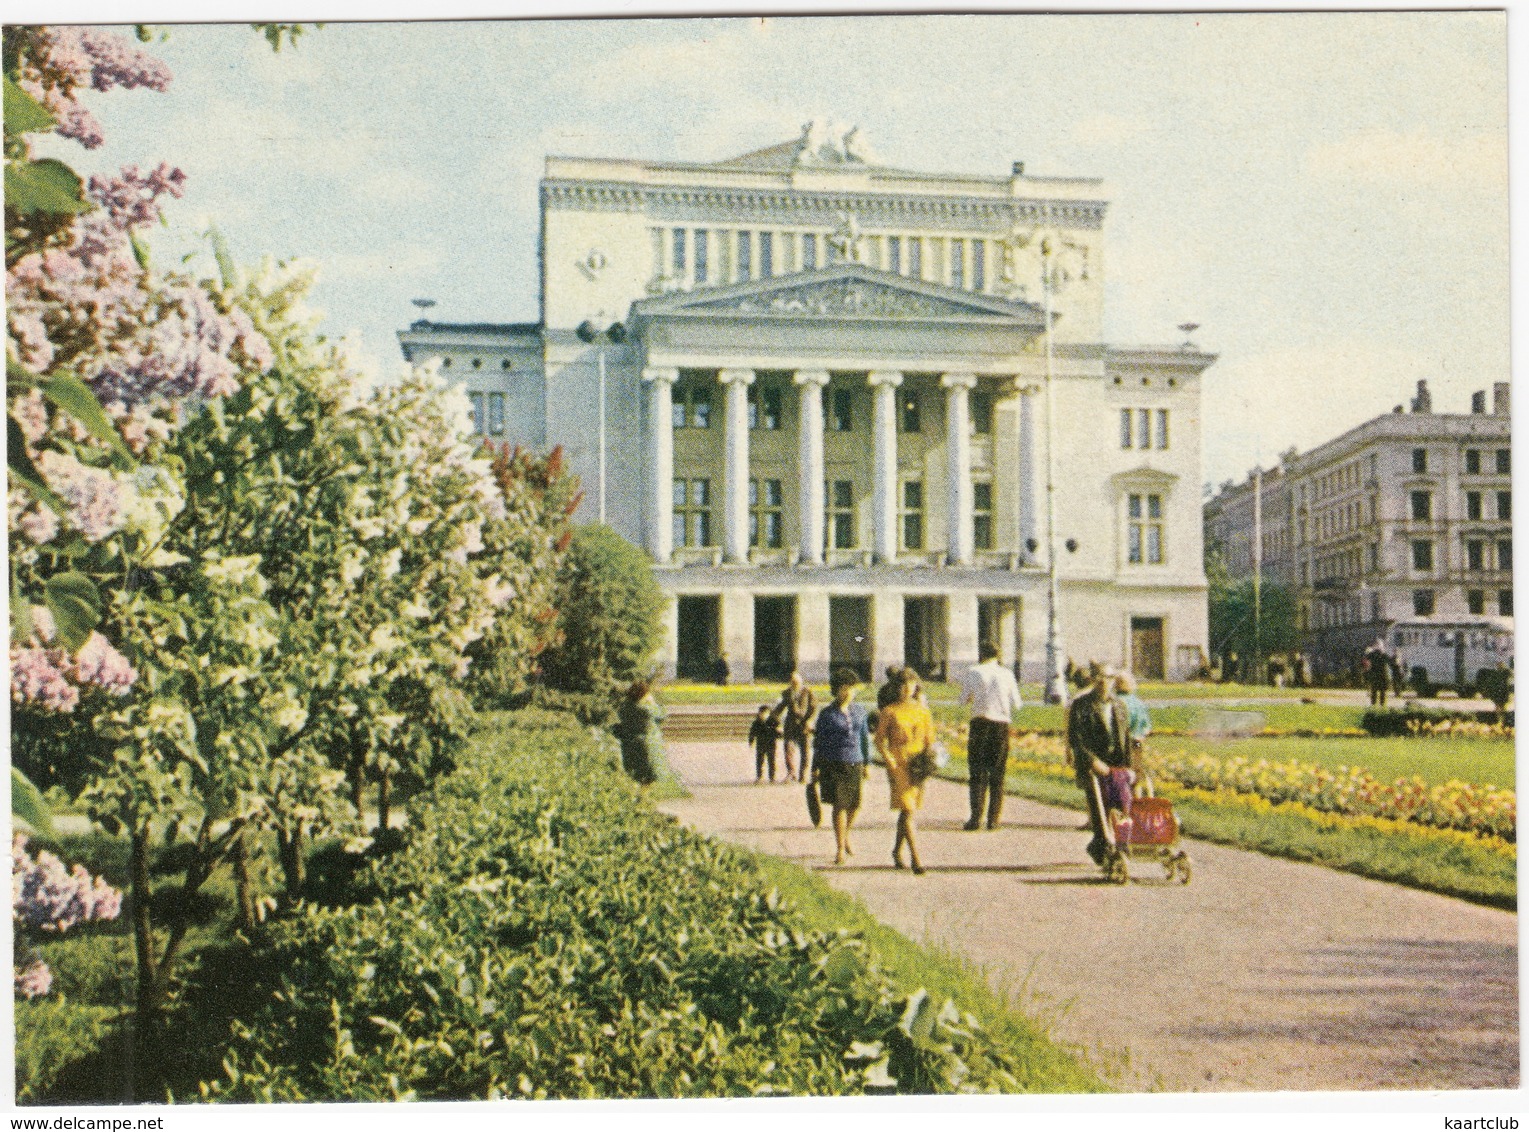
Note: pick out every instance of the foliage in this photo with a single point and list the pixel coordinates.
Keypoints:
(1496, 684)
(530, 542)
(1434, 721)
(1231, 614)
(610, 611)
(545, 934)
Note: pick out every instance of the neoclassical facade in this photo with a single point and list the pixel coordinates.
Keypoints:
(815, 389)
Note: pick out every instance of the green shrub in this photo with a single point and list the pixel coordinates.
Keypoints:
(543, 933)
(610, 611)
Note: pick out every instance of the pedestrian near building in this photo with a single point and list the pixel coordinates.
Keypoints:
(993, 695)
(1099, 739)
(721, 672)
(637, 719)
(1138, 724)
(764, 733)
(797, 710)
(841, 755)
(1377, 673)
(903, 734)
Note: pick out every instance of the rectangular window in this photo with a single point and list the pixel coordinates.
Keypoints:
(766, 254)
(766, 522)
(764, 407)
(745, 255)
(1162, 428)
(1422, 554)
(1125, 428)
(1505, 603)
(1374, 556)
(982, 515)
(1144, 428)
(1504, 461)
(700, 255)
(841, 514)
(1422, 603)
(1505, 505)
(1505, 554)
(1473, 461)
(1420, 459)
(679, 251)
(1473, 505)
(843, 410)
(1476, 601)
(496, 414)
(1475, 555)
(1144, 529)
(477, 407)
(916, 257)
(979, 265)
(1422, 506)
(913, 515)
(895, 254)
(909, 417)
(982, 412)
(692, 512)
(809, 252)
(692, 406)
(958, 263)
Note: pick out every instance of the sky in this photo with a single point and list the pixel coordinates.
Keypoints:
(1325, 194)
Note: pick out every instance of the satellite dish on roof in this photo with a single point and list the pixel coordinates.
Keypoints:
(1188, 328)
(423, 304)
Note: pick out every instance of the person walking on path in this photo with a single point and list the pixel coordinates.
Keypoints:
(798, 709)
(637, 720)
(841, 756)
(904, 734)
(763, 733)
(993, 695)
(1138, 724)
(1377, 673)
(1099, 738)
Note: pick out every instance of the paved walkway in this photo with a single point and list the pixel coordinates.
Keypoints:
(1261, 974)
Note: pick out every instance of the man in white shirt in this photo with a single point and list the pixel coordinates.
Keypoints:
(991, 691)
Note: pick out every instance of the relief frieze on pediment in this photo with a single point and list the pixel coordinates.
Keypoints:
(842, 298)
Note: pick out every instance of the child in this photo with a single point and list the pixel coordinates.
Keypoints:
(762, 736)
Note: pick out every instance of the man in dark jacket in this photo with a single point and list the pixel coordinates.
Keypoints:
(1099, 738)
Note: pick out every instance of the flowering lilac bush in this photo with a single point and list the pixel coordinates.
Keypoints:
(48, 899)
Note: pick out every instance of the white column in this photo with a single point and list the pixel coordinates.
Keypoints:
(887, 620)
(958, 458)
(810, 384)
(735, 474)
(668, 652)
(1026, 494)
(660, 510)
(884, 488)
(812, 635)
(960, 634)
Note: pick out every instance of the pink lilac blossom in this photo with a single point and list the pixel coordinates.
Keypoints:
(38, 523)
(38, 679)
(97, 507)
(30, 412)
(100, 664)
(48, 897)
(60, 60)
(33, 980)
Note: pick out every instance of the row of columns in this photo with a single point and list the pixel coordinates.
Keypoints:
(810, 433)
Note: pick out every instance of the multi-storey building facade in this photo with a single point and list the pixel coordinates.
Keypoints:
(1398, 530)
(822, 410)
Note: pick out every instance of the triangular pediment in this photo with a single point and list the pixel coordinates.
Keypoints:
(843, 291)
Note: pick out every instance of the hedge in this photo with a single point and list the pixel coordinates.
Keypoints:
(544, 933)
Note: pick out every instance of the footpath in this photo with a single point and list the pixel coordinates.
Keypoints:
(1261, 974)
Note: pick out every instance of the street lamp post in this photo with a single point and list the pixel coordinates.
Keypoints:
(612, 333)
(1056, 683)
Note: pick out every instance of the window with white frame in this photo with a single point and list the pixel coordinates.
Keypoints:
(764, 407)
(476, 399)
(841, 514)
(766, 518)
(982, 515)
(1144, 528)
(692, 512)
(912, 514)
(496, 414)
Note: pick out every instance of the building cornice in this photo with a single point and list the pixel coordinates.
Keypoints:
(807, 207)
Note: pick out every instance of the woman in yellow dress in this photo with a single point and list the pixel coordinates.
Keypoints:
(905, 729)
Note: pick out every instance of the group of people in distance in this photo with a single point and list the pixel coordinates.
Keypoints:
(1105, 736)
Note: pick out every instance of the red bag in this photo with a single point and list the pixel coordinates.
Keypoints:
(1153, 822)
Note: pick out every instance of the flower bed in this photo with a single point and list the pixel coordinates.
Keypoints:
(1479, 811)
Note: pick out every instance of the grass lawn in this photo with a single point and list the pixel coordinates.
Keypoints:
(1209, 717)
(1488, 762)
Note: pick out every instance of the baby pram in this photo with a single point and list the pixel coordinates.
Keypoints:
(1151, 832)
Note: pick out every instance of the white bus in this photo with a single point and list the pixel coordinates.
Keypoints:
(1451, 653)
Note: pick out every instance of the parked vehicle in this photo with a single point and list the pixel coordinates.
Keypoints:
(1448, 654)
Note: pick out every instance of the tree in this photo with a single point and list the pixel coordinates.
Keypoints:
(1231, 612)
(610, 612)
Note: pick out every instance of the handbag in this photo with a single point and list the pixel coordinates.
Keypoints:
(814, 804)
(921, 765)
